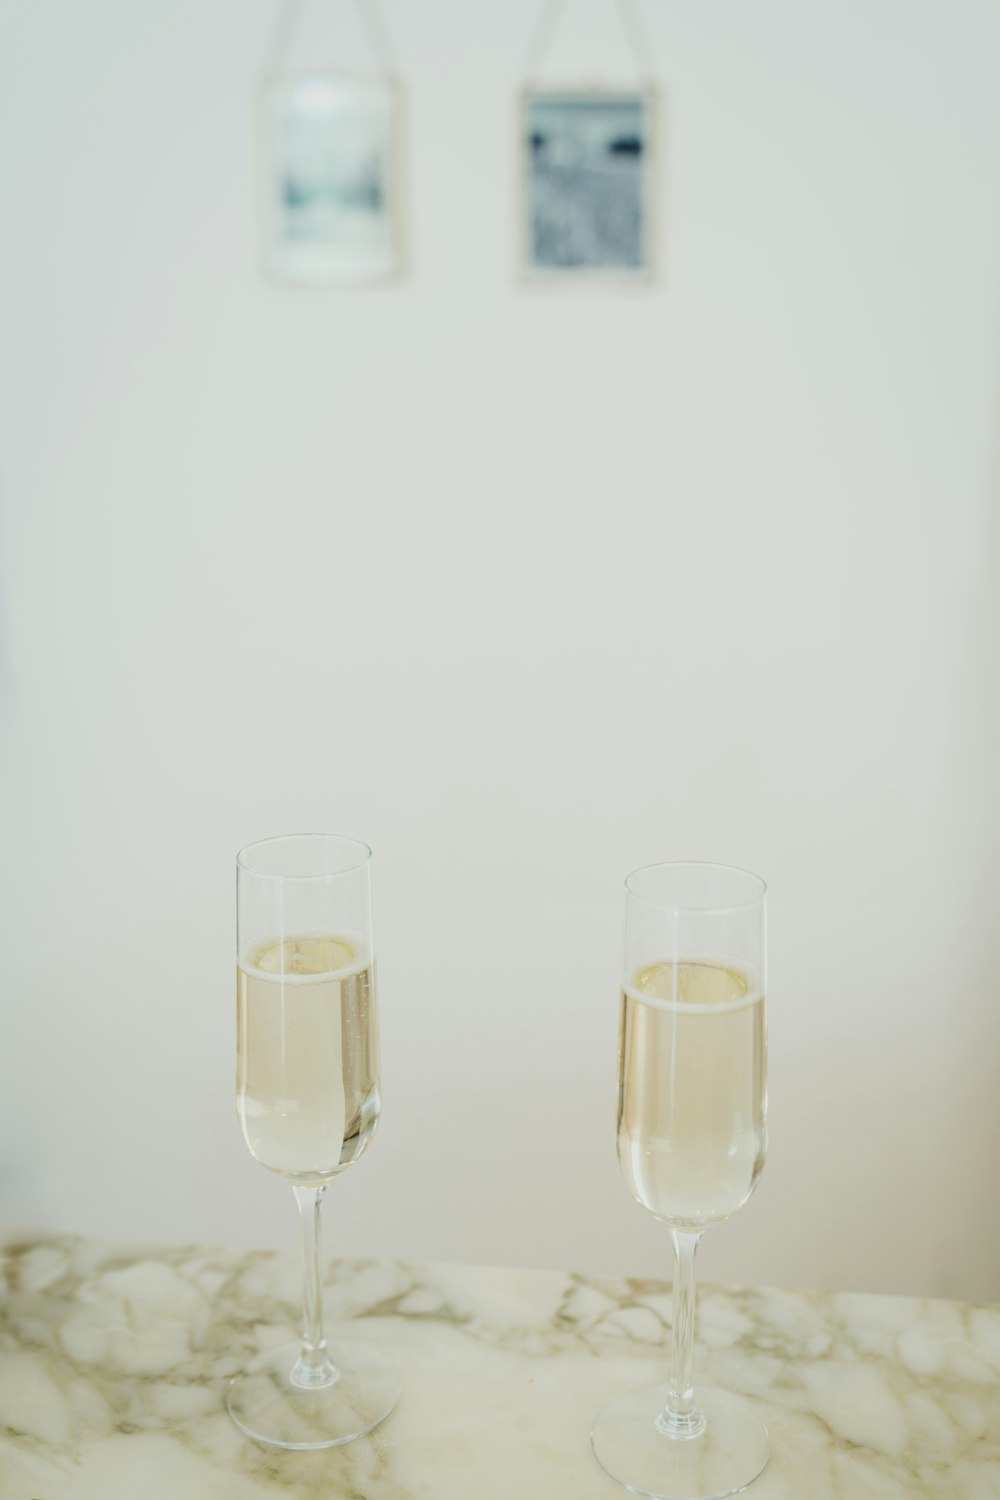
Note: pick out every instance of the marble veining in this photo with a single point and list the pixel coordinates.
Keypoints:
(114, 1361)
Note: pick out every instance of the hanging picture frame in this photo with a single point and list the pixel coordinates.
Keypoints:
(588, 164)
(331, 189)
(330, 168)
(587, 177)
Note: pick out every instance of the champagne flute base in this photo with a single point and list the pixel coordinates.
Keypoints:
(727, 1456)
(270, 1407)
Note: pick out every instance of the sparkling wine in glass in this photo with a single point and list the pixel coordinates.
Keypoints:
(308, 1100)
(692, 1137)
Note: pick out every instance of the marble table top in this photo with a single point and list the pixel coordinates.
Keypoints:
(114, 1361)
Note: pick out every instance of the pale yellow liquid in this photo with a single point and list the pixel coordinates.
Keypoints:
(692, 1097)
(308, 1057)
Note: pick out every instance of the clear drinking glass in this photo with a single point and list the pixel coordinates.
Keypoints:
(692, 1136)
(308, 1100)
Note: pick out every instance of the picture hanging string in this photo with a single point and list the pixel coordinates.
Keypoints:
(289, 17)
(633, 30)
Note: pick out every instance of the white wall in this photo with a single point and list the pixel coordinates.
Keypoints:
(527, 589)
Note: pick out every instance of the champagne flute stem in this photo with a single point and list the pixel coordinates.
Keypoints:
(680, 1417)
(314, 1368)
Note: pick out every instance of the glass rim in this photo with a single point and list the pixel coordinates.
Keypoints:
(696, 864)
(364, 855)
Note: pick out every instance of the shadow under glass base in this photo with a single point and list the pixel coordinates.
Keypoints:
(271, 1407)
(725, 1458)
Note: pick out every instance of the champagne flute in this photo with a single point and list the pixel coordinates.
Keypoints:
(692, 1136)
(308, 1101)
